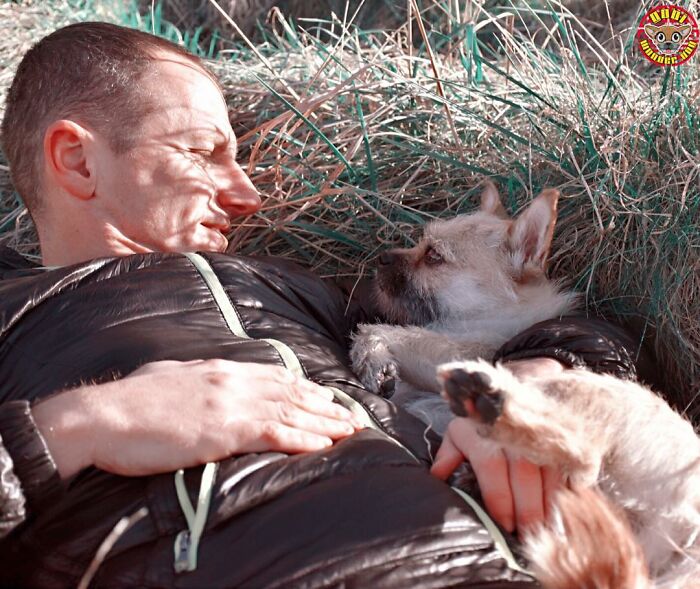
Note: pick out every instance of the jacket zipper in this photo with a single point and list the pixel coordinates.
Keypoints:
(293, 364)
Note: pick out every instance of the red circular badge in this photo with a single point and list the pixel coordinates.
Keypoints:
(668, 35)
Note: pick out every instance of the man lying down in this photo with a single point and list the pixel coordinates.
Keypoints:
(140, 348)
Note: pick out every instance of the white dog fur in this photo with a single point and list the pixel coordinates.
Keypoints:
(472, 283)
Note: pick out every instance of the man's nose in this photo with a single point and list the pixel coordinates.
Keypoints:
(237, 195)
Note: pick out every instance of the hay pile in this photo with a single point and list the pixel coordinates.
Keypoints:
(355, 142)
(189, 15)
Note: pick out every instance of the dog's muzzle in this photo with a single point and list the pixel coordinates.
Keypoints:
(398, 297)
(392, 274)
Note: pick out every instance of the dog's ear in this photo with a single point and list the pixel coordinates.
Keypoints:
(530, 235)
(684, 30)
(491, 202)
(651, 31)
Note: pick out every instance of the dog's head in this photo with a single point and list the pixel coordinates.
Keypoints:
(470, 264)
(667, 38)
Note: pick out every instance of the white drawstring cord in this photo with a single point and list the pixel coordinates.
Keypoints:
(187, 541)
(108, 543)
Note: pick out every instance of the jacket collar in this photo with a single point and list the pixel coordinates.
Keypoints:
(13, 264)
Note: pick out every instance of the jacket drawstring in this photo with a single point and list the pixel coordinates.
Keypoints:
(187, 541)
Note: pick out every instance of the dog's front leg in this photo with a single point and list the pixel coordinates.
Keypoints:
(420, 351)
(519, 415)
(381, 353)
(372, 359)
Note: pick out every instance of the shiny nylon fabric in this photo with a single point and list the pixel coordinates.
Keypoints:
(363, 513)
(12, 503)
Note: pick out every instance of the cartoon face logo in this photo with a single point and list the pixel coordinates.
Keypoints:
(668, 35)
(668, 38)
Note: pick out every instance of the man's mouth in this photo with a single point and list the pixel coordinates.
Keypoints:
(221, 230)
(222, 226)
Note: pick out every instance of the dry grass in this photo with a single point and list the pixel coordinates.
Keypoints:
(354, 142)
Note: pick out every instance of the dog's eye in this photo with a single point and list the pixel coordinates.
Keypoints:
(660, 37)
(676, 37)
(431, 257)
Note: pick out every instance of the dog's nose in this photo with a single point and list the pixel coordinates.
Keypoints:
(387, 258)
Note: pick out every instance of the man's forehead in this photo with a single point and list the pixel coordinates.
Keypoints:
(175, 73)
(189, 98)
(176, 62)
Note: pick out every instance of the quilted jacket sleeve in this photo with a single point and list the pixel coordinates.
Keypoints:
(585, 342)
(28, 476)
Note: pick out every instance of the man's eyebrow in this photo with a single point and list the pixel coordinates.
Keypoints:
(226, 140)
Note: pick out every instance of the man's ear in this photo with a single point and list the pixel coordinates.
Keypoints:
(66, 148)
(491, 202)
(530, 235)
(651, 31)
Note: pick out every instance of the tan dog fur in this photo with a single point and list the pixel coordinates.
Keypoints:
(616, 435)
(489, 285)
(600, 431)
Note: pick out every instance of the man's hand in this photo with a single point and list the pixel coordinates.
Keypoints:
(168, 415)
(517, 493)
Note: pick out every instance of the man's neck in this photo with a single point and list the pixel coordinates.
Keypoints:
(77, 247)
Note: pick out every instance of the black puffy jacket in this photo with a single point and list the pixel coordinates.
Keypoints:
(364, 513)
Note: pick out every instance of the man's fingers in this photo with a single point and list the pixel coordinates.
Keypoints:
(552, 482)
(488, 462)
(280, 383)
(306, 386)
(266, 436)
(291, 415)
(306, 396)
(491, 470)
(276, 394)
(283, 386)
(447, 459)
(527, 486)
(316, 405)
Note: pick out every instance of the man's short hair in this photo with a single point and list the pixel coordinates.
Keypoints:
(87, 72)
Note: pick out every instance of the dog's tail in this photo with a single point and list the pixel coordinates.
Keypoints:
(589, 545)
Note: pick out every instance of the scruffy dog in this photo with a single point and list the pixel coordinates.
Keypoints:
(471, 284)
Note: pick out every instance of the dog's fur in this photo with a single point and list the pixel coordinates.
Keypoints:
(597, 430)
(468, 286)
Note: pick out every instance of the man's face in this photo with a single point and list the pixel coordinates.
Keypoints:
(180, 186)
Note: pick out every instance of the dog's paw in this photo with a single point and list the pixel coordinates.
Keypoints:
(518, 415)
(372, 360)
(381, 379)
(471, 389)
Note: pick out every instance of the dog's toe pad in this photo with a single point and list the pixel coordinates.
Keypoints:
(470, 394)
